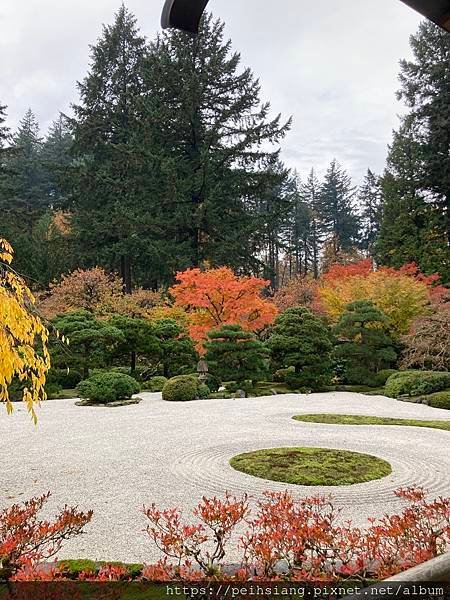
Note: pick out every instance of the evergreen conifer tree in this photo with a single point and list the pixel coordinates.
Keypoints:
(236, 355)
(213, 147)
(336, 210)
(369, 198)
(110, 219)
(416, 187)
(302, 340)
(364, 346)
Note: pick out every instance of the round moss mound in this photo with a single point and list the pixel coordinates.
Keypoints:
(311, 466)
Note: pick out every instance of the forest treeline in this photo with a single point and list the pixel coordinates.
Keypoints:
(171, 160)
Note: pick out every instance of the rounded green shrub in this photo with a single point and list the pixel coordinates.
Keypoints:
(439, 400)
(213, 382)
(203, 391)
(156, 384)
(108, 387)
(382, 376)
(417, 383)
(180, 389)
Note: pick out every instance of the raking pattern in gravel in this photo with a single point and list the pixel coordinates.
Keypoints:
(116, 460)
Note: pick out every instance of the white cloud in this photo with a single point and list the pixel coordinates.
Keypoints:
(332, 65)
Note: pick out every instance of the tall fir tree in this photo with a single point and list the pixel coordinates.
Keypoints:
(273, 214)
(416, 186)
(310, 194)
(108, 217)
(425, 82)
(370, 203)
(337, 212)
(212, 148)
(4, 151)
(27, 200)
(56, 159)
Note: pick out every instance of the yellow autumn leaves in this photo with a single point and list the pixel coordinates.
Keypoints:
(23, 337)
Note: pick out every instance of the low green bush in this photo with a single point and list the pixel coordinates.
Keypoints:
(213, 382)
(53, 390)
(182, 388)
(108, 387)
(382, 376)
(156, 384)
(439, 400)
(417, 383)
(203, 391)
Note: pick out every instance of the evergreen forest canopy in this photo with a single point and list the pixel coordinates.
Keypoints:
(172, 160)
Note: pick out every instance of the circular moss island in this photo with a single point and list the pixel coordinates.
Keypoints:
(311, 466)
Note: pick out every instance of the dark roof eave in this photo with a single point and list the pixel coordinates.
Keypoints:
(186, 14)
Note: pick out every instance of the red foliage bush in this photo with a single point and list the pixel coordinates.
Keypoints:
(26, 541)
(297, 540)
(285, 540)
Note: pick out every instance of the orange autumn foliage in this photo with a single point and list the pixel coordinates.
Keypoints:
(299, 291)
(98, 292)
(218, 297)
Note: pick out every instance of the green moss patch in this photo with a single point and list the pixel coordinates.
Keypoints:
(363, 420)
(311, 466)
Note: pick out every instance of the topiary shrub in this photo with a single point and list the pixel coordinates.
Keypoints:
(235, 354)
(183, 388)
(363, 345)
(303, 341)
(156, 384)
(439, 400)
(417, 383)
(203, 391)
(382, 376)
(213, 382)
(108, 387)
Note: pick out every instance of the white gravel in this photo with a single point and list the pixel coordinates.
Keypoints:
(115, 460)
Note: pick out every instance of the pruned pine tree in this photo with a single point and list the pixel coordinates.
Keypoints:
(236, 355)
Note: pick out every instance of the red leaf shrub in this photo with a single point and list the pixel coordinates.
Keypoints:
(26, 541)
(297, 540)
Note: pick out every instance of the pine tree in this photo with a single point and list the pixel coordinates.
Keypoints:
(213, 145)
(274, 213)
(236, 355)
(409, 229)
(364, 346)
(110, 220)
(369, 199)
(336, 210)
(4, 130)
(302, 340)
(310, 193)
(416, 186)
(56, 159)
(4, 152)
(27, 201)
(425, 89)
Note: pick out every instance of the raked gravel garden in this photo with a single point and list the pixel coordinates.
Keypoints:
(115, 460)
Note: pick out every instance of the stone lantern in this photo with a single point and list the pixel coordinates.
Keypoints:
(202, 370)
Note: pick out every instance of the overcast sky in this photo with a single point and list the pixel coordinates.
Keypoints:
(331, 64)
